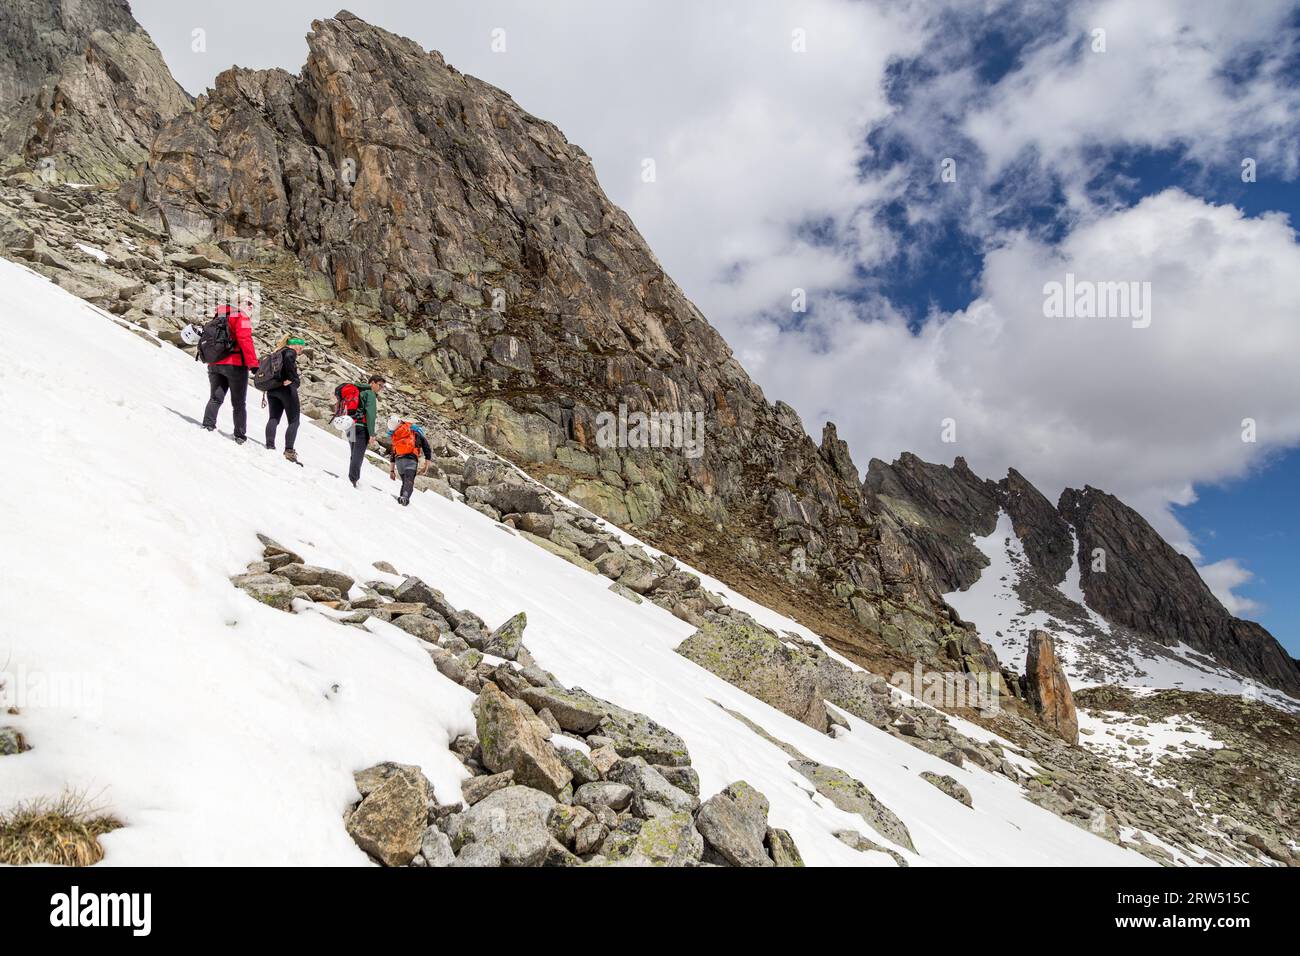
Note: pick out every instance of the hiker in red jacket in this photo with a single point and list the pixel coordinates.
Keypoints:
(230, 356)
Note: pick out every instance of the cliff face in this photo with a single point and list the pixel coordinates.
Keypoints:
(83, 90)
(1150, 587)
(492, 264)
(1146, 586)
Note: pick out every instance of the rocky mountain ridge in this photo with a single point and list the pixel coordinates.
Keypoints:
(84, 90)
(1128, 574)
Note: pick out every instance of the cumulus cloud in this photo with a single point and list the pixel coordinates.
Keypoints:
(1222, 577)
(1142, 412)
(1203, 75)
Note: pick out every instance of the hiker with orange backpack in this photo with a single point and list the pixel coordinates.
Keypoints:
(278, 379)
(407, 444)
(226, 347)
(356, 413)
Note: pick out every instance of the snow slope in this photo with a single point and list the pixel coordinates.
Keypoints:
(1091, 651)
(222, 731)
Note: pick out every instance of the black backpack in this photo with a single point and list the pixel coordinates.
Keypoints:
(270, 374)
(215, 342)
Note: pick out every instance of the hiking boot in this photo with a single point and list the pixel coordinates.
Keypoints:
(290, 454)
(240, 439)
(270, 446)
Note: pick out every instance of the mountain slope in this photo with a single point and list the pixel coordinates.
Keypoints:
(1091, 565)
(472, 243)
(223, 731)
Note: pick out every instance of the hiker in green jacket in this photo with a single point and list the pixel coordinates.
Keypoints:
(367, 424)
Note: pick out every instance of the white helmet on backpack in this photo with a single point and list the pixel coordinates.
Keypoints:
(189, 334)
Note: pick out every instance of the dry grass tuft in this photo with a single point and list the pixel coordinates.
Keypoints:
(63, 832)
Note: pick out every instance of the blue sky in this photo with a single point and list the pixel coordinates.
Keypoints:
(817, 169)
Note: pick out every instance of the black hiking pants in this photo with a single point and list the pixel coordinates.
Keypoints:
(407, 466)
(360, 439)
(223, 379)
(282, 401)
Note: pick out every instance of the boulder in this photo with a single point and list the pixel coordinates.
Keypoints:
(419, 626)
(1048, 689)
(852, 796)
(510, 741)
(506, 640)
(949, 786)
(578, 713)
(512, 821)
(579, 764)
(734, 825)
(652, 795)
(754, 659)
(781, 847)
(669, 840)
(615, 796)
(277, 592)
(475, 789)
(390, 822)
(304, 574)
(435, 847)
(479, 855)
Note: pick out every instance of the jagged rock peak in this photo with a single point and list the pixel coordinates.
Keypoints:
(83, 90)
(1149, 586)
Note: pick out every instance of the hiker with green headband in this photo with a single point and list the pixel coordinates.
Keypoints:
(278, 378)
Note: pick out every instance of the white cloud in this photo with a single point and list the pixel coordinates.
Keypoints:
(1161, 81)
(1222, 577)
(1141, 412)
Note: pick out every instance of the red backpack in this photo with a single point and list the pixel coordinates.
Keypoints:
(347, 401)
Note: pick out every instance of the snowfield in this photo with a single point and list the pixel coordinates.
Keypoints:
(222, 731)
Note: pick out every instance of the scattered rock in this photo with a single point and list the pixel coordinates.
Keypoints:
(510, 741)
(949, 786)
(389, 823)
(512, 821)
(734, 825)
(506, 640)
(270, 589)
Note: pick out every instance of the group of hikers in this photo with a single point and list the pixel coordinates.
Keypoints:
(225, 345)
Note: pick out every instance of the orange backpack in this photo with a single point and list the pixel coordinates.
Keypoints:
(404, 440)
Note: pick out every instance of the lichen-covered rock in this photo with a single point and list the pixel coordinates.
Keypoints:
(949, 786)
(506, 640)
(512, 821)
(734, 825)
(435, 847)
(577, 712)
(754, 659)
(389, 823)
(511, 741)
(852, 796)
(652, 795)
(669, 840)
(782, 849)
(305, 574)
(615, 796)
(474, 789)
(270, 589)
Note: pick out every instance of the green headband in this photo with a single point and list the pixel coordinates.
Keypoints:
(297, 341)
